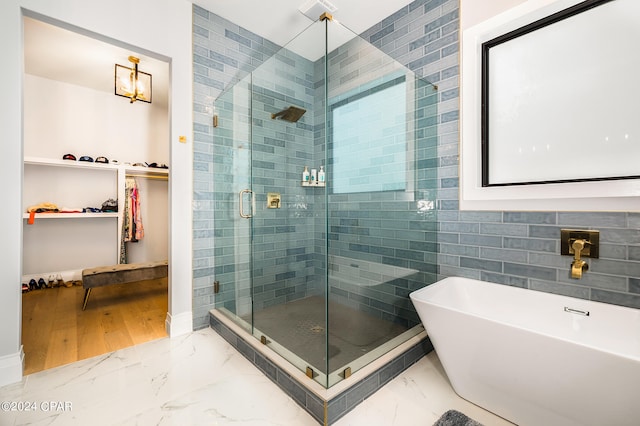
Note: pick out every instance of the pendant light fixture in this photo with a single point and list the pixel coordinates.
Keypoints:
(132, 83)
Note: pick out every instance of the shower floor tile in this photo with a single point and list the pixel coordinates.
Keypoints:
(300, 326)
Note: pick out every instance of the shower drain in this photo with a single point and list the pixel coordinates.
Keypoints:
(317, 329)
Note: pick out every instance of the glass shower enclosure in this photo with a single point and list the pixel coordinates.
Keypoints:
(320, 270)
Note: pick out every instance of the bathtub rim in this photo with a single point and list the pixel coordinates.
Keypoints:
(590, 304)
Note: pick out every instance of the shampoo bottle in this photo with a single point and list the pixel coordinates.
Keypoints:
(321, 175)
(314, 176)
(305, 175)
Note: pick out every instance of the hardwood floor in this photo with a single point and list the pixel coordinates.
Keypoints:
(56, 331)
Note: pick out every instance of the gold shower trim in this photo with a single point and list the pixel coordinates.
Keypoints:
(326, 413)
(326, 17)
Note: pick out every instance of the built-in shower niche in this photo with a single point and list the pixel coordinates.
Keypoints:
(324, 279)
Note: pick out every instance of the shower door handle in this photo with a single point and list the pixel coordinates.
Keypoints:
(241, 203)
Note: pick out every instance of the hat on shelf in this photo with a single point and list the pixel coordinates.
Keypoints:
(69, 157)
(102, 160)
(86, 158)
(110, 205)
(159, 166)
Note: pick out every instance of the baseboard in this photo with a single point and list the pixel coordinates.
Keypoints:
(177, 325)
(11, 367)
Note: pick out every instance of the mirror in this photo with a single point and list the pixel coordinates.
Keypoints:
(560, 97)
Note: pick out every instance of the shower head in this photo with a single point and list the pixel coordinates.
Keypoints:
(291, 114)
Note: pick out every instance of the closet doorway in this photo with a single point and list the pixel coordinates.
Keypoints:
(71, 112)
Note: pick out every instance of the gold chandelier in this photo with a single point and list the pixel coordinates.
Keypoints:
(133, 83)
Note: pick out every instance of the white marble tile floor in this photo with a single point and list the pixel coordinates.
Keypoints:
(199, 379)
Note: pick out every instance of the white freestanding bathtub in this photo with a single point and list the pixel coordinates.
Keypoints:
(535, 358)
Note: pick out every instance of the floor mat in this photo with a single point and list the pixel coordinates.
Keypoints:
(455, 418)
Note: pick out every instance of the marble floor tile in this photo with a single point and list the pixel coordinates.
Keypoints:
(418, 396)
(199, 379)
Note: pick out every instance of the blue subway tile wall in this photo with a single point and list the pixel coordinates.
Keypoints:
(283, 237)
(289, 256)
(224, 56)
(382, 242)
(380, 234)
(513, 248)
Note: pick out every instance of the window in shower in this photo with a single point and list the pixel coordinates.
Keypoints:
(370, 139)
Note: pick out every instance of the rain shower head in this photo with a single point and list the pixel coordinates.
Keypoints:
(291, 114)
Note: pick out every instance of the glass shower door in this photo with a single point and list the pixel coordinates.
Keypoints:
(288, 247)
(232, 201)
(321, 274)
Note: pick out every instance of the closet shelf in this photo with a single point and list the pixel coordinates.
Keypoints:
(127, 168)
(71, 215)
(68, 163)
(145, 171)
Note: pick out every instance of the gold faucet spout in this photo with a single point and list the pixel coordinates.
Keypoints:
(578, 266)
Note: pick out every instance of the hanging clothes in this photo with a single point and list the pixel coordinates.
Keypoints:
(138, 229)
(132, 229)
(133, 216)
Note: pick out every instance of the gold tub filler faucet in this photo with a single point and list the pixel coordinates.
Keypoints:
(578, 266)
(579, 243)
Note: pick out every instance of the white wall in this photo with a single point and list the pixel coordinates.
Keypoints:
(62, 118)
(155, 217)
(473, 12)
(164, 30)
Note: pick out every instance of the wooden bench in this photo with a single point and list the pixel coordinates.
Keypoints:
(118, 274)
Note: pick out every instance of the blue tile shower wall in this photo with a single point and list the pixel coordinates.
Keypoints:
(224, 55)
(514, 248)
(381, 245)
(283, 238)
(377, 236)
(283, 267)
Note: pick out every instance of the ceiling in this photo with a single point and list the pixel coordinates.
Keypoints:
(280, 21)
(59, 54)
(64, 55)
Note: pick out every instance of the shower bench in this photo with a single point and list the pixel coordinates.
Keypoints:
(102, 276)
